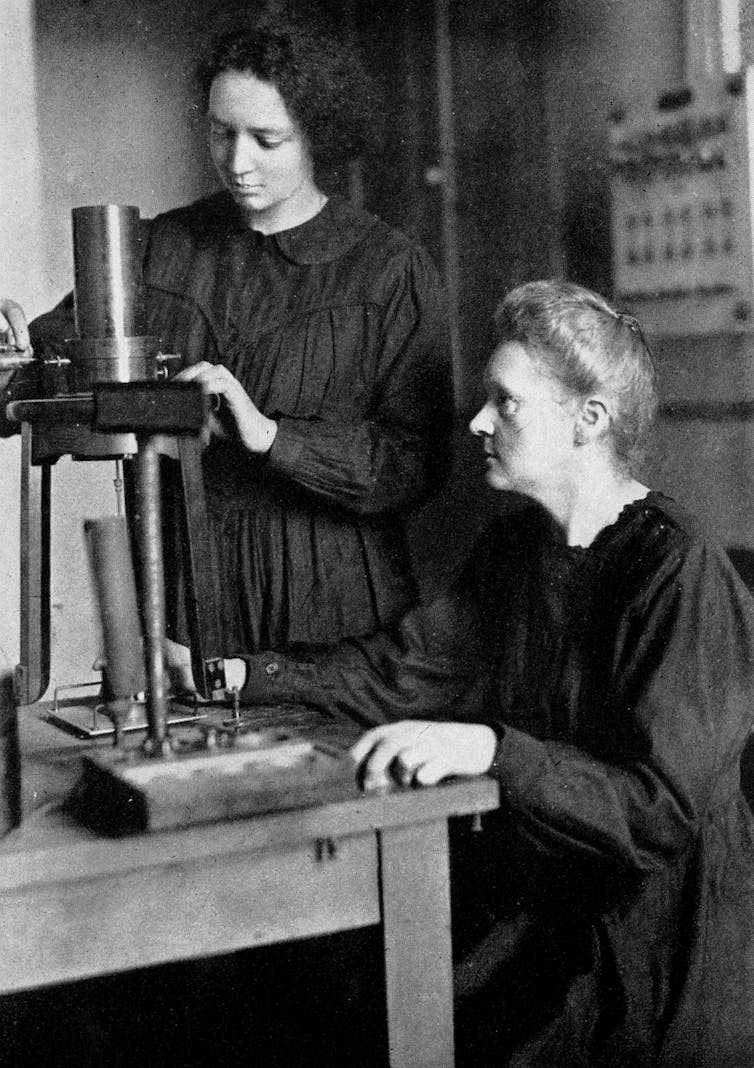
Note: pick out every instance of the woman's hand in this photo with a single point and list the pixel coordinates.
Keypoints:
(13, 325)
(255, 430)
(421, 752)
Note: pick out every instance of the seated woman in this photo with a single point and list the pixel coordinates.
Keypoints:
(597, 657)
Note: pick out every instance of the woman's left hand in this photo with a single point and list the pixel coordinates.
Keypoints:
(255, 430)
(422, 752)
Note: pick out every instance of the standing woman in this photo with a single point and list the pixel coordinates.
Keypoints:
(322, 331)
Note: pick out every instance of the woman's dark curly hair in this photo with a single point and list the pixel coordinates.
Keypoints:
(319, 76)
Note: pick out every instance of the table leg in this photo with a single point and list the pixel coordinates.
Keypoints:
(418, 961)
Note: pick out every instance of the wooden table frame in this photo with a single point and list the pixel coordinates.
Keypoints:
(76, 904)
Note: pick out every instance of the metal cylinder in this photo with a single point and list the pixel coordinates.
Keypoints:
(107, 258)
(114, 359)
(115, 588)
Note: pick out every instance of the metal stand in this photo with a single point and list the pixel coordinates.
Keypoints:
(89, 430)
(116, 401)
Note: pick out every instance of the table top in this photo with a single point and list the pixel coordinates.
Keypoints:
(50, 845)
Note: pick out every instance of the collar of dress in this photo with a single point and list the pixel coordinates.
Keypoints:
(329, 234)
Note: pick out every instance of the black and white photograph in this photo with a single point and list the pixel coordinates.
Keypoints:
(377, 533)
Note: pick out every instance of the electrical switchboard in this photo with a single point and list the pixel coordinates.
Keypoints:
(681, 218)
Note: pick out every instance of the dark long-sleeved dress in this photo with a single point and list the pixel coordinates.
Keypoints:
(605, 915)
(336, 329)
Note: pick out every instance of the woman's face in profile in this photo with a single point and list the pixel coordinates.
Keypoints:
(259, 151)
(527, 425)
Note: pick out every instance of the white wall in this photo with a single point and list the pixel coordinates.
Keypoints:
(116, 122)
(22, 258)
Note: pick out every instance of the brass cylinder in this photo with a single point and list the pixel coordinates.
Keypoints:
(107, 258)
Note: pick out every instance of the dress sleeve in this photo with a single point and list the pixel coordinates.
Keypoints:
(667, 744)
(430, 664)
(398, 455)
(52, 328)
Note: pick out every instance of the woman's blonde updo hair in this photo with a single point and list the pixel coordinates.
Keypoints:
(589, 347)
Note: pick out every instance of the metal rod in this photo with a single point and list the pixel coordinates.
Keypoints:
(119, 485)
(149, 532)
(13, 360)
(33, 672)
(18, 358)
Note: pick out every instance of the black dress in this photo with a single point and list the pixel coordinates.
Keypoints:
(336, 329)
(605, 916)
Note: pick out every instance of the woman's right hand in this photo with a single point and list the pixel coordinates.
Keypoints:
(255, 430)
(415, 752)
(14, 326)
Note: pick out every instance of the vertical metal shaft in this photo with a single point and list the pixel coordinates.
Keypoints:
(149, 531)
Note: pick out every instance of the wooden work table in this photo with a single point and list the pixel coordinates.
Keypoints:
(76, 904)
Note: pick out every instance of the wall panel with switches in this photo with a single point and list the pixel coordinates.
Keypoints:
(681, 210)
